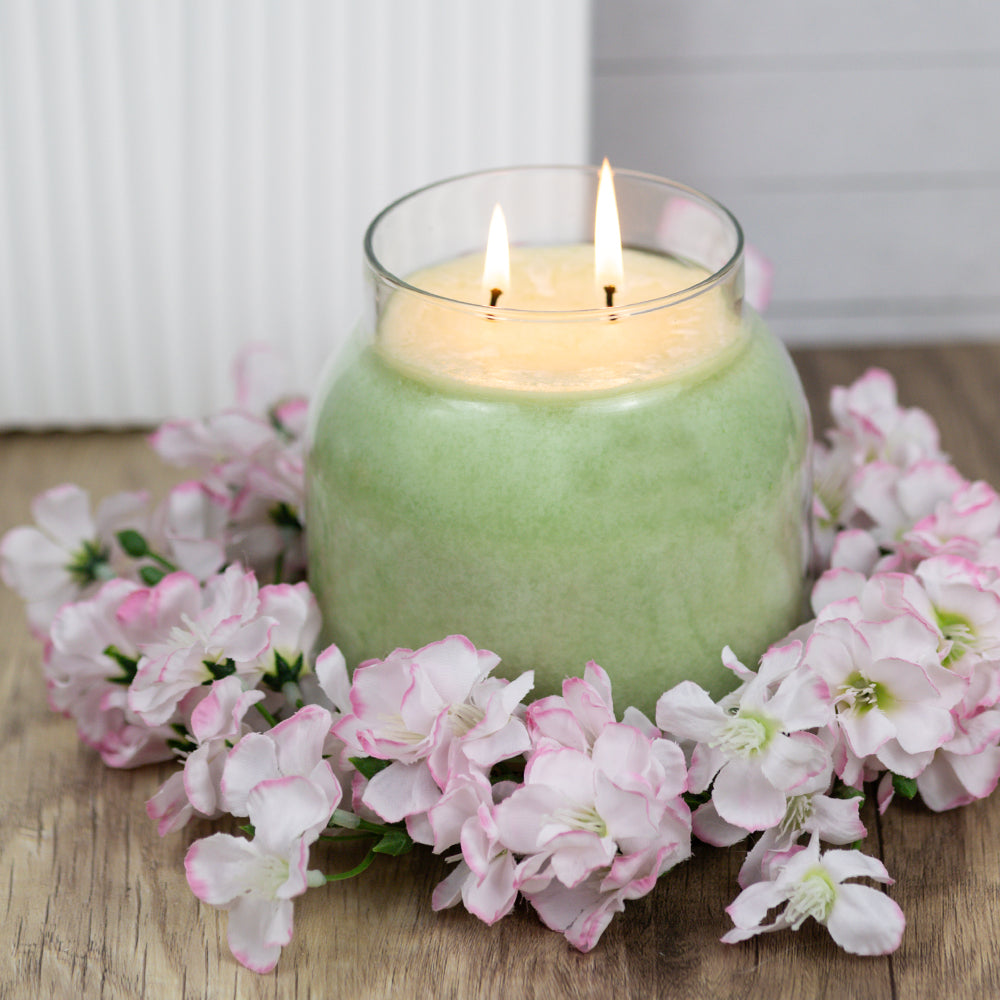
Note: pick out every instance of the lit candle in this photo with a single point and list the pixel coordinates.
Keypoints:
(505, 455)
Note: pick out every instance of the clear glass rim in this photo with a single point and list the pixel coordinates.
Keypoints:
(718, 277)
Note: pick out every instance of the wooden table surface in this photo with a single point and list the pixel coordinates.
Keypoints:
(96, 904)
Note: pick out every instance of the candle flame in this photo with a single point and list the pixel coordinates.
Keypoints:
(496, 269)
(608, 266)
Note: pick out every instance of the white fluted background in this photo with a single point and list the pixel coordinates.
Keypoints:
(180, 177)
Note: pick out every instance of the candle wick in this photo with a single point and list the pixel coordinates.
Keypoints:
(609, 295)
(495, 294)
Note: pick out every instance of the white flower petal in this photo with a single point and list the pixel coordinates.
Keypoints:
(864, 921)
(744, 797)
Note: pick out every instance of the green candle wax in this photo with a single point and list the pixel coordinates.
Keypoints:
(644, 528)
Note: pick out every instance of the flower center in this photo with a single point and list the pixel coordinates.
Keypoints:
(395, 730)
(800, 809)
(463, 717)
(269, 875)
(581, 818)
(744, 735)
(813, 897)
(90, 563)
(958, 634)
(831, 486)
(861, 694)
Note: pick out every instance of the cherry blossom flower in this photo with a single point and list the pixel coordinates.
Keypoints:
(293, 748)
(895, 500)
(578, 717)
(254, 455)
(594, 829)
(967, 767)
(958, 526)
(431, 712)
(867, 414)
(485, 871)
(90, 660)
(811, 811)
(581, 913)
(945, 594)
(190, 526)
(256, 880)
(576, 811)
(871, 432)
(224, 634)
(891, 695)
(70, 553)
(216, 723)
(292, 646)
(756, 745)
(862, 920)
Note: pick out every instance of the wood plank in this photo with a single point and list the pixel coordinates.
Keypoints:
(96, 904)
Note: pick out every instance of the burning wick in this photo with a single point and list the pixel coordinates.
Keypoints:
(608, 266)
(496, 268)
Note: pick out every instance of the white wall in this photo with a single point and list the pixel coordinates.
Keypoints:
(858, 141)
(179, 177)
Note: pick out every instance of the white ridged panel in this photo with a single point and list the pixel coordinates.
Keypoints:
(180, 177)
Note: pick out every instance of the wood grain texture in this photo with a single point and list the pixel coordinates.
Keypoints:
(94, 904)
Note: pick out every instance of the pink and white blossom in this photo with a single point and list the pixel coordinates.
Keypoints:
(223, 634)
(296, 617)
(576, 811)
(432, 712)
(868, 416)
(69, 552)
(891, 695)
(216, 723)
(484, 877)
(256, 880)
(293, 748)
(189, 529)
(581, 913)
(895, 500)
(91, 656)
(253, 456)
(862, 920)
(958, 526)
(755, 749)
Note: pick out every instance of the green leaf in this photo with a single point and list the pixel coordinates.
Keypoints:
(394, 842)
(907, 787)
(133, 543)
(151, 575)
(369, 766)
(128, 664)
(842, 791)
(219, 670)
(285, 516)
(284, 672)
(695, 799)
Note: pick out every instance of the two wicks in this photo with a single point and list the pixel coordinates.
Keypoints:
(608, 267)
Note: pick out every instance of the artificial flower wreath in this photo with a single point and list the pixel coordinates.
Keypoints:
(186, 632)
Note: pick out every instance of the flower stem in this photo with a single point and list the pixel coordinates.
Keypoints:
(365, 862)
(268, 717)
(293, 694)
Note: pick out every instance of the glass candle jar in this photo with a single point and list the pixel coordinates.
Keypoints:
(557, 478)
